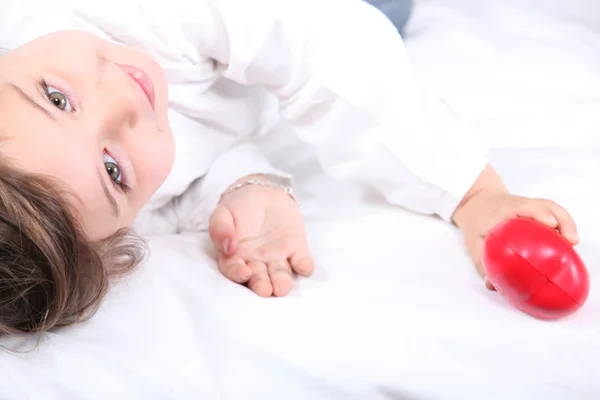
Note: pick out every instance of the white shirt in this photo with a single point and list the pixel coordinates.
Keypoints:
(335, 70)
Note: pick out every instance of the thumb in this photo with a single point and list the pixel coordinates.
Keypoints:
(221, 229)
(489, 285)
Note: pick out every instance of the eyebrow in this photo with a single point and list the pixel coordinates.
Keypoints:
(31, 101)
(108, 194)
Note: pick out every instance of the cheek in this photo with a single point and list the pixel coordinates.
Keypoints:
(153, 162)
(68, 163)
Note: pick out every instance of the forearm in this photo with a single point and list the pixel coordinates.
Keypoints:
(487, 184)
(234, 167)
(366, 115)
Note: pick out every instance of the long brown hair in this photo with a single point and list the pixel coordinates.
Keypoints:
(50, 274)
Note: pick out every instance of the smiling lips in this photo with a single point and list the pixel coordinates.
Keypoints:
(142, 79)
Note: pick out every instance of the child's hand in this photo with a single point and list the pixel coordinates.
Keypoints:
(260, 239)
(488, 203)
(486, 209)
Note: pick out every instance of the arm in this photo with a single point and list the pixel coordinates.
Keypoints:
(488, 183)
(343, 80)
(194, 207)
(342, 77)
(190, 212)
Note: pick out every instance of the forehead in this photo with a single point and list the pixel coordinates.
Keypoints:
(63, 41)
(67, 49)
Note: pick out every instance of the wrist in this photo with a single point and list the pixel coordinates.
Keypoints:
(259, 177)
(262, 184)
(469, 209)
(487, 185)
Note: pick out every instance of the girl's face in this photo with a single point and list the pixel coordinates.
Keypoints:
(93, 116)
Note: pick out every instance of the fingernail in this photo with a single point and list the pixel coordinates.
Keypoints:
(552, 220)
(226, 244)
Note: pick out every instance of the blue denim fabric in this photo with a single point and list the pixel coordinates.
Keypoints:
(398, 11)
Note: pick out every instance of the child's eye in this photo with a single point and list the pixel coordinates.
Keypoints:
(116, 174)
(112, 169)
(58, 99)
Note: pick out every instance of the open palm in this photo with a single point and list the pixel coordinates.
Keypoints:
(260, 239)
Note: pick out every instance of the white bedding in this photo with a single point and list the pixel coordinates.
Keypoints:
(394, 310)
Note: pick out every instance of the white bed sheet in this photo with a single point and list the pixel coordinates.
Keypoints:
(394, 310)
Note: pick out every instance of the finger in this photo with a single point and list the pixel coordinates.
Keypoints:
(474, 247)
(566, 224)
(488, 284)
(222, 230)
(480, 268)
(540, 212)
(475, 251)
(259, 282)
(277, 249)
(281, 277)
(234, 268)
(302, 263)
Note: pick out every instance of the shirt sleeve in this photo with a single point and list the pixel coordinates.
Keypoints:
(343, 80)
(190, 212)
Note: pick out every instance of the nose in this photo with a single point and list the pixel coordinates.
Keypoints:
(121, 111)
(116, 106)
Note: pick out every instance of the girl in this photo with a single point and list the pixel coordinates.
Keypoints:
(87, 141)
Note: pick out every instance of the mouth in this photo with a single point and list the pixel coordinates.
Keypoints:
(142, 79)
